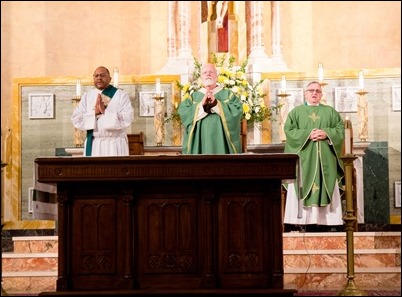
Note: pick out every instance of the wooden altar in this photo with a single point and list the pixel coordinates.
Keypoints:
(170, 223)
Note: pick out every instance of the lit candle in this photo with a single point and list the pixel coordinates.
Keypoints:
(320, 73)
(361, 80)
(348, 144)
(78, 89)
(158, 85)
(283, 85)
(116, 77)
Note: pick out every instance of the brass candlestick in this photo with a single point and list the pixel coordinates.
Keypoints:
(350, 220)
(323, 99)
(283, 113)
(159, 114)
(362, 115)
(78, 134)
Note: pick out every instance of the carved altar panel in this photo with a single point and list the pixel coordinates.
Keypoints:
(168, 239)
(189, 222)
(242, 231)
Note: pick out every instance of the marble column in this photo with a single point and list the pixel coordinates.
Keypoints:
(180, 61)
(278, 63)
(359, 149)
(170, 66)
(258, 61)
(185, 57)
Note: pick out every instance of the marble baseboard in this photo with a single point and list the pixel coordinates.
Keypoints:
(7, 244)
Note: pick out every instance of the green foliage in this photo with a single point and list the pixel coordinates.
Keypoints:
(234, 78)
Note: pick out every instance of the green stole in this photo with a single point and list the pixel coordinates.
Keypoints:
(109, 91)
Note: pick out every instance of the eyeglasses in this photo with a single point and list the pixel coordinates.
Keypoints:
(101, 75)
(314, 90)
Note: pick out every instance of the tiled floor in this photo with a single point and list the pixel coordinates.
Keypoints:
(338, 293)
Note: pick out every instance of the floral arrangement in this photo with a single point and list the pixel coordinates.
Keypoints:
(234, 78)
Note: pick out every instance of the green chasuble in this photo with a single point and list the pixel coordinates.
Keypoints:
(320, 163)
(214, 133)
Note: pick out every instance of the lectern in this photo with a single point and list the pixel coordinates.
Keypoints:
(198, 223)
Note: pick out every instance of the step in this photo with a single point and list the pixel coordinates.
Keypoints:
(377, 262)
(29, 283)
(338, 258)
(20, 262)
(35, 244)
(337, 240)
(334, 279)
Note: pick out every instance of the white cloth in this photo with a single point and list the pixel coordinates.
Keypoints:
(110, 129)
(324, 215)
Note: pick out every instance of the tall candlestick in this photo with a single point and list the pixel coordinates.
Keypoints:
(361, 80)
(158, 85)
(116, 77)
(283, 85)
(78, 89)
(348, 143)
(320, 72)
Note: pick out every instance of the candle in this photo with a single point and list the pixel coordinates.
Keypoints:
(361, 80)
(348, 144)
(116, 77)
(158, 85)
(78, 89)
(320, 72)
(283, 85)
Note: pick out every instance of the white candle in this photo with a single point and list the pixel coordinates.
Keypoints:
(320, 72)
(158, 85)
(116, 77)
(283, 85)
(78, 89)
(361, 80)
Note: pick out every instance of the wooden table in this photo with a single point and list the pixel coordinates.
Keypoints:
(187, 222)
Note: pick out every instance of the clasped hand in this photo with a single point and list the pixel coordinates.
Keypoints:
(208, 101)
(99, 106)
(317, 134)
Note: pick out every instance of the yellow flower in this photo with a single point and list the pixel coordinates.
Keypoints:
(186, 96)
(235, 79)
(246, 108)
(186, 87)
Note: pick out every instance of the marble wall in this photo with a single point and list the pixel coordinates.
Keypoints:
(44, 136)
(41, 137)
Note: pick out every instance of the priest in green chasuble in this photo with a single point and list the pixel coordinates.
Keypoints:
(211, 118)
(315, 132)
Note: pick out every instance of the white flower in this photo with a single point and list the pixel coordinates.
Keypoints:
(235, 79)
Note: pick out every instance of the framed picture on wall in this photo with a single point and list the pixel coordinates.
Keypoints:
(41, 106)
(346, 99)
(147, 104)
(396, 98)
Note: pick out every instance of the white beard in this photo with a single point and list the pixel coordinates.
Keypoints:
(208, 82)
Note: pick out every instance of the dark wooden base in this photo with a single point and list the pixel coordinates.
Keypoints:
(148, 293)
(169, 225)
